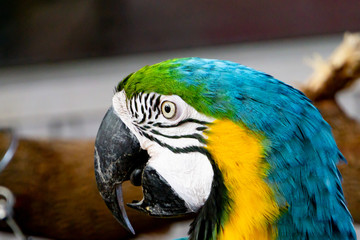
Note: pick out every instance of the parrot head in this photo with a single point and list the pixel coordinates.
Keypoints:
(250, 155)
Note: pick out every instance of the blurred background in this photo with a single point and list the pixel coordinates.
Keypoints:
(61, 59)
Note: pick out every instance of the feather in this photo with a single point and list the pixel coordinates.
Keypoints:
(297, 143)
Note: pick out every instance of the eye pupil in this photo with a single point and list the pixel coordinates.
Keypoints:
(167, 108)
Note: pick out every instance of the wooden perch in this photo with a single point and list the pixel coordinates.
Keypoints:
(56, 193)
(55, 185)
(339, 72)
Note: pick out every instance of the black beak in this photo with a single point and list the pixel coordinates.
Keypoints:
(118, 157)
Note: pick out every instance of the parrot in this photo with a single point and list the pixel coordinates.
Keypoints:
(250, 156)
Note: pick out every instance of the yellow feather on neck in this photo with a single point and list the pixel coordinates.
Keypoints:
(239, 155)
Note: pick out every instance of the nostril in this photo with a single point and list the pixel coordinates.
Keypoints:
(135, 177)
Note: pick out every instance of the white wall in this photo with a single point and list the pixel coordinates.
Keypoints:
(69, 99)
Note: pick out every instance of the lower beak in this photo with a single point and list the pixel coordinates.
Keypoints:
(118, 157)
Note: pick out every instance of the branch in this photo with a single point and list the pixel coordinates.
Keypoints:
(338, 72)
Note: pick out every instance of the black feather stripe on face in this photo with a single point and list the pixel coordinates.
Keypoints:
(199, 137)
(187, 149)
(143, 106)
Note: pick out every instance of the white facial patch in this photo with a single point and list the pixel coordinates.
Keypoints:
(175, 145)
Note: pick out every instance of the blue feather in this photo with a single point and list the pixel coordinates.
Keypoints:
(298, 144)
(300, 147)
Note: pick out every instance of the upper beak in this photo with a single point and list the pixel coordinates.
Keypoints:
(118, 157)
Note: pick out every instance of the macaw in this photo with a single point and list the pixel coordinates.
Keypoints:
(249, 154)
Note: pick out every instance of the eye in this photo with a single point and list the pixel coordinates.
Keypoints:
(168, 109)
